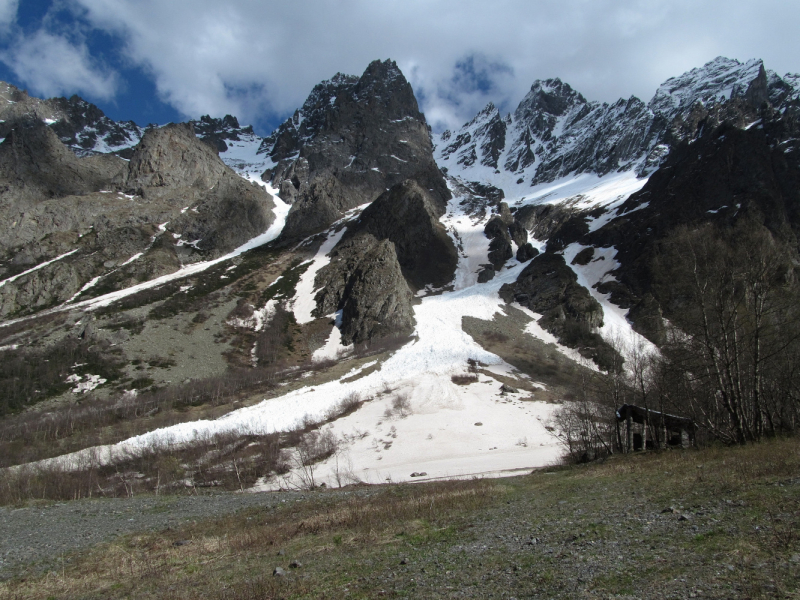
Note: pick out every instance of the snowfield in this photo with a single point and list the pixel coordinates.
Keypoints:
(443, 429)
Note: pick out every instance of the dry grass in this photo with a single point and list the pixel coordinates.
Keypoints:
(739, 538)
(229, 461)
(465, 379)
(229, 557)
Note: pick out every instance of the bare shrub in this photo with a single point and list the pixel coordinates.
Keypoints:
(401, 405)
(464, 379)
(582, 427)
(229, 461)
(347, 405)
(314, 447)
(32, 436)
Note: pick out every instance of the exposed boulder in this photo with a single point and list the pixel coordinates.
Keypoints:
(526, 252)
(487, 273)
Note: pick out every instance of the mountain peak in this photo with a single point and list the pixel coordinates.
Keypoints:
(551, 96)
(718, 80)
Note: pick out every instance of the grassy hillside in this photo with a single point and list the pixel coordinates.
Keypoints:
(711, 523)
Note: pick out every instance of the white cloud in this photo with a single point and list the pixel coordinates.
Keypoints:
(251, 57)
(51, 65)
(8, 13)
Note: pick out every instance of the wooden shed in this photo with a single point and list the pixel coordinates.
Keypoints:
(646, 428)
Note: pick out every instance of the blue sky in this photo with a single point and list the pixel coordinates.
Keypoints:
(167, 60)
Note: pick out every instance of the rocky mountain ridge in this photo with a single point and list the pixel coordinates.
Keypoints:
(80, 125)
(353, 138)
(114, 217)
(555, 131)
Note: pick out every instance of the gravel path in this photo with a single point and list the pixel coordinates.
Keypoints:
(41, 536)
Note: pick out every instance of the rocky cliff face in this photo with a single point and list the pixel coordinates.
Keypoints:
(35, 166)
(364, 280)
(218, 132)
(728, 176)
(354, 138)
(408, 216)
(728, 111)
(555, 131)
(400, 235)
(174, 202)
(80, 125)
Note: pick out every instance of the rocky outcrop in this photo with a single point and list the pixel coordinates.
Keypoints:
(727, 176)
(215, 132)
(175, 202)
(397, 246)
(35, 166)
(549, 287)
(354, 138)
(80, 125)
(502, 230)
(526, 252)
(172, 165)
(171, 156)
(408, 216)
(542, 220)
(365, 281)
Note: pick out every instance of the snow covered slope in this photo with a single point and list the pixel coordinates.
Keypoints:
(555, 131)
(445, 429)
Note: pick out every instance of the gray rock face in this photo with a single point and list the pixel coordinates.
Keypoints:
(500, 250)
(354, 138)
(396, 246)
(35, 165)
(526, 252)
(172, 165)
(487, 129)
(364, 280)
(502, 229)
(543, 220)
(185, 205)
(549, 287)
(86, 130)
(408, 216)
(80, 125)
(171, 156)
(555, 131)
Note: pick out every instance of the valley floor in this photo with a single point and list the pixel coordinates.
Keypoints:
(711, 523)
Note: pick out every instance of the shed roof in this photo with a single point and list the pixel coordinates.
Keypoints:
(638, 414)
